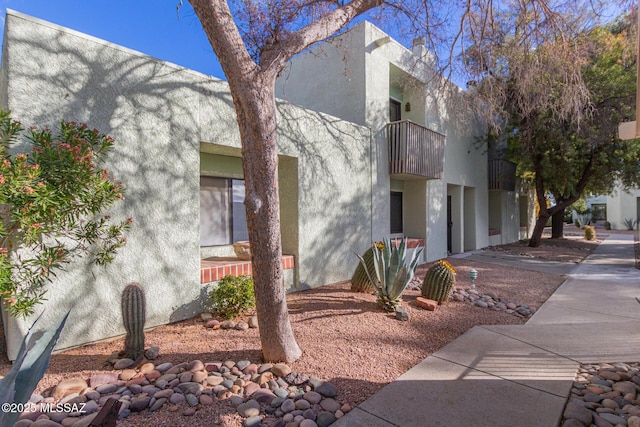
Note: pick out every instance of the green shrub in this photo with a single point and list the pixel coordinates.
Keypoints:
(576, 222)
(233, 296)
(589, 232)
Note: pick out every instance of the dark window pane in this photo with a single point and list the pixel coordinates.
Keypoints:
(396, 211)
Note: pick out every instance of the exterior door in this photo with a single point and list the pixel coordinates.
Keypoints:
(449, 225)
(395, 110)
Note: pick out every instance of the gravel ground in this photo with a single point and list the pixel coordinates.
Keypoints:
(346, 339)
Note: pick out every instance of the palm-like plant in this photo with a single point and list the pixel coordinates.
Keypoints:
(393, 272)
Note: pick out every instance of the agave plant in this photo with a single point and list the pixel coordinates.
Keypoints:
(629, 223)
(29, 367)
(393, 272)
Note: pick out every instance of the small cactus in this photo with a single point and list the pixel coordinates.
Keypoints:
(439, 282)
(589, 232)
(133, 318)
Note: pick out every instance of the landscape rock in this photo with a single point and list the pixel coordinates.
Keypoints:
(123, 363)
(490, 301)
(152, 353)
(103, 378)
(281, 369)
(402, 313)
(242, 326)
(228, 324)
(323, 387)
(607, 393)
(212, 324)
(278, 397)
(249, 408)
(296, 378)
(325, 419)
(68, 386)
(427, 304)
(253, 322)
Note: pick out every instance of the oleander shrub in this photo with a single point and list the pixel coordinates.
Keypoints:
(53, 195)
(233, 296)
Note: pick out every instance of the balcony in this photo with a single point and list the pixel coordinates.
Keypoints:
(415, 151)
(502, 175)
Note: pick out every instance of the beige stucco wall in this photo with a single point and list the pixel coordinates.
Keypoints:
(162, 116)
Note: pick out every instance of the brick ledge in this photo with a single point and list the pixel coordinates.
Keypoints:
(215, 268)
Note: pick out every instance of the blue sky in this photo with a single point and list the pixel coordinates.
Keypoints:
(153, 27)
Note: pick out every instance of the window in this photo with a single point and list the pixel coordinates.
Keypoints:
(222, 215)
(395, 110)
(396, 212)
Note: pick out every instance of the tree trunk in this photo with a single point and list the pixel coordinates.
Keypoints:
(543, 213)
(557, 224)
(257, 120)
(536, 236)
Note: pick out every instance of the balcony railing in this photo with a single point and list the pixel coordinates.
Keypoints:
(502, 175)
(415, 150)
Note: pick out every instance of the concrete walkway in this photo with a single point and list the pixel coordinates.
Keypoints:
(521, 375)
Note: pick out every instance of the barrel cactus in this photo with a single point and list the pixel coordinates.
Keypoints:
(133, 319)
(439, 282)
(360, 281)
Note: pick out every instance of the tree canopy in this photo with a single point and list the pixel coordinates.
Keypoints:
(558, 92)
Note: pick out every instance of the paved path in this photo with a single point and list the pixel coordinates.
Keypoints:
(521, 375)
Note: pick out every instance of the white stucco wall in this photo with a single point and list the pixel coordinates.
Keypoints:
(373, 73)
(161, 117)
(622, 205)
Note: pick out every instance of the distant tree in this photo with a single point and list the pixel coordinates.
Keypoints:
(559, 89)
(253, 40)
(592, 151)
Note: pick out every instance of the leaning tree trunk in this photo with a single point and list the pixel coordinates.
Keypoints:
(536, 236)
(557, 224)
(260, 166)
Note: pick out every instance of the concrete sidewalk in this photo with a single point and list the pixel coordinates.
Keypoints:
(521, 375)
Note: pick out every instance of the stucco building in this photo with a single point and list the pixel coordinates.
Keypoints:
(178, 154)
(617, 207)
(437, 178)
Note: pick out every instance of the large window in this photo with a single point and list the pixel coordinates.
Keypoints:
(222, 215)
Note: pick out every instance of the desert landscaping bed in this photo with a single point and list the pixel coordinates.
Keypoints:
(346, 338)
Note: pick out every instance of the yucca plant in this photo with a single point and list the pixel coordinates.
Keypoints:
(393, 272)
